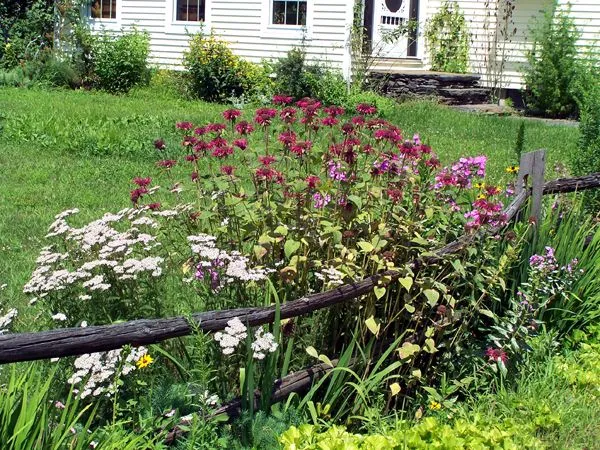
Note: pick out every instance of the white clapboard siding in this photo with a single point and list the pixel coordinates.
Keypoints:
(242, 24)
(482, 24)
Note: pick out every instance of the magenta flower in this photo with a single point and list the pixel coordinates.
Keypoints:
(320, 201)
(191, 158)
(159, 144)
(366, 109)
(244, 128)
(312, 181)
(281, 99)
(184, 125)
(218, 142)
(287, 138)
(242, 144)
(200, 131)
(231, 114)
(167, 164)
(227, 170)
(347, 128)
(194, 176)
(496, 355)
(138, 193)
(334, 111)
(301, 148)
(264, 116)
(334, 171)
(266, 160)
(216, 127)
(222, 152)
(189, 141)
(142, 182)
(288, 115)
(330, 121)
(154, 206)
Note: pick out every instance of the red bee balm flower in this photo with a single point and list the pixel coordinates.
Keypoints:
(154, 206)
(496, 354)
(242, 144)
(312, 181)
(231, 114)
(227, 170)
(288, 115)
(159, 144)
(282, 100)
(167, 164)
(264, 116)
(266, 160)
(184, 125)
(366, 109)
(244, 128)
(216, 127)
(142, 182)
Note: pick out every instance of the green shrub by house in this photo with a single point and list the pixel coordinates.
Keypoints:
(552, 67)
(120, 62)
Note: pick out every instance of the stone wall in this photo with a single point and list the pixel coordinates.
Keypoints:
(449, 88)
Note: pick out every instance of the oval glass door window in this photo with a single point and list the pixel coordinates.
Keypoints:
(393, 5)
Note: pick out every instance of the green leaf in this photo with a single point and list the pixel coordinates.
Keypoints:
(487, 312)
(373, 326)
(395, 388)
(356, 200)
(365, 246)
(410, 308)
(282, 230)
(259, 251)
(432, 296)
(406, 283)
(430, 346)
(312, 352)
(407, 350)
(379, 291)
(291, 247)
(326, 360)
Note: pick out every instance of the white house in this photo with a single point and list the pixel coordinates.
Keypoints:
(268, 29)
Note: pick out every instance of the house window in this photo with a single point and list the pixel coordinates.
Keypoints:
(289, 12)
(190, 10)
(104, 9)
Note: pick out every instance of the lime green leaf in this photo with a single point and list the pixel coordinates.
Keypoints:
(379, 291)
(406, 283)
(373, 326)
(395, 388)
(432, 296)
(282, 230)
(365, 246)
(290, 247)
(430, 346)
(408, 349)
(410, 308)
(312, 351)
(326, 360)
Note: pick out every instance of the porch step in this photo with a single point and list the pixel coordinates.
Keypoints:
(396, 65)
(449, 88)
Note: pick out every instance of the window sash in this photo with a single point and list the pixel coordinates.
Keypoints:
(104, 9)
(190, 11)
(289, 12)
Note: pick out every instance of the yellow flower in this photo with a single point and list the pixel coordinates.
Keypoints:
(480, 185)
(434, 406)
(144, 361)
(512, 169)
(481, 197)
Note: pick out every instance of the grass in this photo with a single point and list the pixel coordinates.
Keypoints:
(62, 149)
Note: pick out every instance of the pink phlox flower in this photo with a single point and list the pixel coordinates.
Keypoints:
(320, 201)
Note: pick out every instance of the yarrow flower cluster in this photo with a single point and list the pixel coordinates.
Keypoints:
(221, 267)
(7, 319)
(232, 335)
(330, 276)
(99, 371)
(264, 342)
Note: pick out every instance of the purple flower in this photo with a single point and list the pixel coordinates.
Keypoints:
(321, 201)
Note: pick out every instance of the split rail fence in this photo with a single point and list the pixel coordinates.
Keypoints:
(78, 341)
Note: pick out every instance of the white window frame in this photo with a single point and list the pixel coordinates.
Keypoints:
(270, 30)
(174, 26)
(99, 24)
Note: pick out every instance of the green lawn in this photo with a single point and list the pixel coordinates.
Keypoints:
(62, 149)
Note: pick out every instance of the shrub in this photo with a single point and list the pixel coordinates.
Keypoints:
(298, 78)
(120, 62)
(215, 73)
(447, 38)
(552, 66)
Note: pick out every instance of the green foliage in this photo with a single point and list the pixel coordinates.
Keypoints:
(216, 74)
(299, 78)
(430, 433)
(520, 142)
(447, 37)
(120, 62)
(552, 66)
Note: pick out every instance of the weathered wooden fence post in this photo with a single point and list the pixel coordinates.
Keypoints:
(531, 171)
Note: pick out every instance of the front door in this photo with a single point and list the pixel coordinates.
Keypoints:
(389, 17)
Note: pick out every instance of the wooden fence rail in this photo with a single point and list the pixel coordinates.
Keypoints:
(77, 341)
